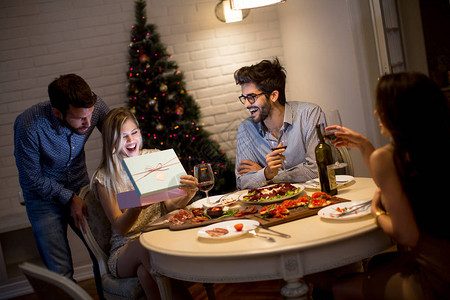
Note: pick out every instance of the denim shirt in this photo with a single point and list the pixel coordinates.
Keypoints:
(50, 157)
(299, 126)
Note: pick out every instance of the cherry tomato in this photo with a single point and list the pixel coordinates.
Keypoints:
(239, 226)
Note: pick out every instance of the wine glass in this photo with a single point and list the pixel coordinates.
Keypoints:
(333, 118)
(205, 177)
(274, 142)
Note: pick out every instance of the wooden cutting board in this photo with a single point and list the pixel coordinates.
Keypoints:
(294, 214)
(163, 222)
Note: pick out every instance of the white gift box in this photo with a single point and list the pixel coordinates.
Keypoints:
(155, 177)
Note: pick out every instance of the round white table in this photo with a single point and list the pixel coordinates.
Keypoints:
(315, 245)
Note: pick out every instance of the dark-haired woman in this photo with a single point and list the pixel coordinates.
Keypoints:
(414, 114)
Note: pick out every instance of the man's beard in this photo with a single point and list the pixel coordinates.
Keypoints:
(79, 130)
(264, 112)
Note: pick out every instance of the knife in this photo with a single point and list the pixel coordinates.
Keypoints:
(279, 233)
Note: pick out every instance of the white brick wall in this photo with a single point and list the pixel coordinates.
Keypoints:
(39, 40)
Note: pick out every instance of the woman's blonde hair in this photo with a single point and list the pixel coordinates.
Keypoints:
(111, 161)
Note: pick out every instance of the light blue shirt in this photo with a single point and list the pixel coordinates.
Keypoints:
(300, 119)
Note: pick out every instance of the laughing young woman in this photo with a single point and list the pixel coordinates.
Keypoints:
(128, 258)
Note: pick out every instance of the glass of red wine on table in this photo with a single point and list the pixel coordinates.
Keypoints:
(332, 118)
(205, 176)
(277, 140)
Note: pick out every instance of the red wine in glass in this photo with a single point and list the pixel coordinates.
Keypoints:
(330, 136)
(205, 177)
(205, 186)
(333, 118)
(275, 142)
(277, 148)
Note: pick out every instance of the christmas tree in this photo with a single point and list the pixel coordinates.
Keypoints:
(167, 113)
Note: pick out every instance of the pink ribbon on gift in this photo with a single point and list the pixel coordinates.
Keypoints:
(159, 167)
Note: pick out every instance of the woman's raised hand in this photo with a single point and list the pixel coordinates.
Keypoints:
(348, 138)
(191, 185)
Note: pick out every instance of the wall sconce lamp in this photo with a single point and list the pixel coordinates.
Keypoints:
(227, 15)
(247, 4)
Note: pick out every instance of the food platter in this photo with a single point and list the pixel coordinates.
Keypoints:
(268, 215)
(341, 180)
(333, 211)
(299, 190)
(229, 226)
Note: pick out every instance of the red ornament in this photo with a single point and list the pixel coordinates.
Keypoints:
(179, 110)
(143, 58)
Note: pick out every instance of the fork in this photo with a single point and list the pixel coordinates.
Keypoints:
(276, 232)
(213, 203)
(355, 207)
(253, 232)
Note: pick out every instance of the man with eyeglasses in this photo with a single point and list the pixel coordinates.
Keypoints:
(263, 95)
(49, 140)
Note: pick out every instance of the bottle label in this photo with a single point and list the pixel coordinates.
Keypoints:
(331, 178)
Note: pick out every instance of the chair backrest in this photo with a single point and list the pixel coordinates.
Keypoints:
(98, 229)
(50, 285)
(97, 236)
(344, 156)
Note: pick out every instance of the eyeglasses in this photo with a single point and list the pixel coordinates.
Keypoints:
(250, 97)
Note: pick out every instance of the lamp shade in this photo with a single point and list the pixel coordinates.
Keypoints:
(247, 4)
(225, 14)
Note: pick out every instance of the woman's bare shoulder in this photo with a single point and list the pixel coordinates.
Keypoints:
(382, 164)
(384, 154)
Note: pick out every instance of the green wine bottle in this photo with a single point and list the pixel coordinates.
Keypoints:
(324, 159)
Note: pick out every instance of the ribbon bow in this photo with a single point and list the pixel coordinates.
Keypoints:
(159, 167)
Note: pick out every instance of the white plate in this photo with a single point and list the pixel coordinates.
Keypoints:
(241, 197)
(331, 212)
(341, 181)
(202, 202)
(228, 200)
(228, 225)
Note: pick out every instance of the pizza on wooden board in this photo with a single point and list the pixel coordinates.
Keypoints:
(320, 199)
(317, 200)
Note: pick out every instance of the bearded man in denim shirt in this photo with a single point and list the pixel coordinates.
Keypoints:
(49, 140)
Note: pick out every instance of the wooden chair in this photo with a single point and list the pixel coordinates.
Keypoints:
(97, 235)
(49, 285)
(344, 156)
